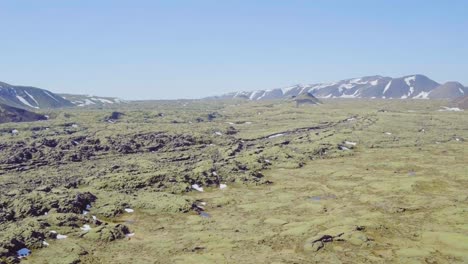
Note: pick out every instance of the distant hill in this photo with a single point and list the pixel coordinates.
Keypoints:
(306, 99)
(408, 87)
(30, 97)
(462, 102)
(89, 100)
(14, 114)
(448, 90)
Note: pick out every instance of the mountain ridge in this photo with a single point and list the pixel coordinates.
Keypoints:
(29, 97)
(33, 98)
(416, 86)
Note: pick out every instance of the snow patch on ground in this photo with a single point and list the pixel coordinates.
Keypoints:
(450, 109)
(276, 135)
(86, 228)
(197, 187)
(86, 102)
(102, 100)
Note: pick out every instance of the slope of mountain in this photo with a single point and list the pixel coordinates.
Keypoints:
(448, 90)
(462, 102)
(306, 99)
(14, 114)
(412, 86)
(30, 97)
(89, 100)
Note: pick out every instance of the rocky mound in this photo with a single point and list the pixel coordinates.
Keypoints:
(306, 99)
(13, 114)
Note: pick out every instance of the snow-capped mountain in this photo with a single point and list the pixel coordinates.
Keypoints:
(33, 98)
(90, 100)
(412, 86)
(450, 90)
(30, 97)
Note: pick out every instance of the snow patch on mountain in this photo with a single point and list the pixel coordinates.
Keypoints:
(387, 87)
(25, 102)
(32, 98)
(422, 95)
(407, 87)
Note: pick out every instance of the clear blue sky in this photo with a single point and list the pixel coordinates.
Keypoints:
(143, 49)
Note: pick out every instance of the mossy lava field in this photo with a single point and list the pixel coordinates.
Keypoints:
(346, 181)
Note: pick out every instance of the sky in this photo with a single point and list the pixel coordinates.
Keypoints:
(150, 49)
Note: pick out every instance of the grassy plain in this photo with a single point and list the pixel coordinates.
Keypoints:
(298, 189)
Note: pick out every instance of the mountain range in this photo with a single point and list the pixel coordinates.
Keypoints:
(31, 98)
(408, 87)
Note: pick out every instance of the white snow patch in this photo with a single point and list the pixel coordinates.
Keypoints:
(102, 100)
(388, 133)
(346, 86)
(450, 109)
(263, 95)
(130, 234)
(276, 135)
(328, 96)
(387, 87)
(51, 96)
(350, 143)
(222, 186)
(45, 243)
(461, 90)
(218, 133)
(129, 210)
(85, 228)
(30, 96)
(59, 236)
(321, 86)
(374, 83)
(197, 187)
(253, 94)
(422, 95)
(409, 79)
(287, 89)
(23, 101)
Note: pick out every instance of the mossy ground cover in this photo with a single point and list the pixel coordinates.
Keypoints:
(398, 195)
